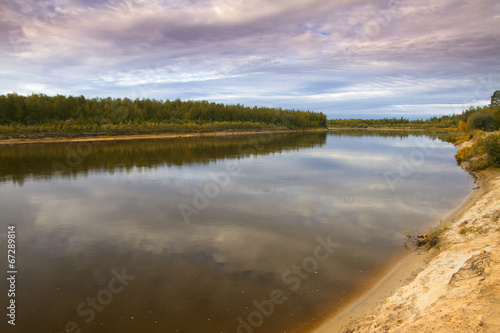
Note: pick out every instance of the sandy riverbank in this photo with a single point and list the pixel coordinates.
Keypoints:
(148, 136)
(452, 288)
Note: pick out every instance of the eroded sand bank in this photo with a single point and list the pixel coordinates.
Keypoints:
(453, 288)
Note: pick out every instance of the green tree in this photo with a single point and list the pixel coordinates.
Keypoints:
(495, 99)
(492, 147)
(482, 120)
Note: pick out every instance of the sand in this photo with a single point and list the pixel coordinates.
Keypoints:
(452, 288)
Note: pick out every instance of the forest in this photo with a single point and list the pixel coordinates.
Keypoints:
(39, 113)
(434, 122)
(485, 118)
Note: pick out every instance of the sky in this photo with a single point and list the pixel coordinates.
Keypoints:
(345, 58)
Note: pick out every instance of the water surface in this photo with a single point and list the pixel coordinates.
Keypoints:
(268, 233)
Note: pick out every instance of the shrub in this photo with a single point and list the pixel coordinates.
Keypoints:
(430, 239)
(462, 127)
(492, 148)
(482, 120)
(464, 154)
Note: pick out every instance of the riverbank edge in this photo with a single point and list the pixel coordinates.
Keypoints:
(153, 136)
(371, 311)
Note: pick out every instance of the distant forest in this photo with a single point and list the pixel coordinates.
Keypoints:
(485, 118)
(434, 122)
(468, 117)
(39, 113)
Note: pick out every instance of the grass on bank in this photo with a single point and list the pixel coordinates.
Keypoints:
(430, 239)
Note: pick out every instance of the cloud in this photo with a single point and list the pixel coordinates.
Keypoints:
(342, 57)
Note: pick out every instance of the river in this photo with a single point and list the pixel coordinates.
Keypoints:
(254, 233)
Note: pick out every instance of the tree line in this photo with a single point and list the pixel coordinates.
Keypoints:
(486, 118)
(40, 113)
(433, 122)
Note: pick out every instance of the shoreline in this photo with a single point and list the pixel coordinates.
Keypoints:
(150, 136)
(374, 309)
(429, 129)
